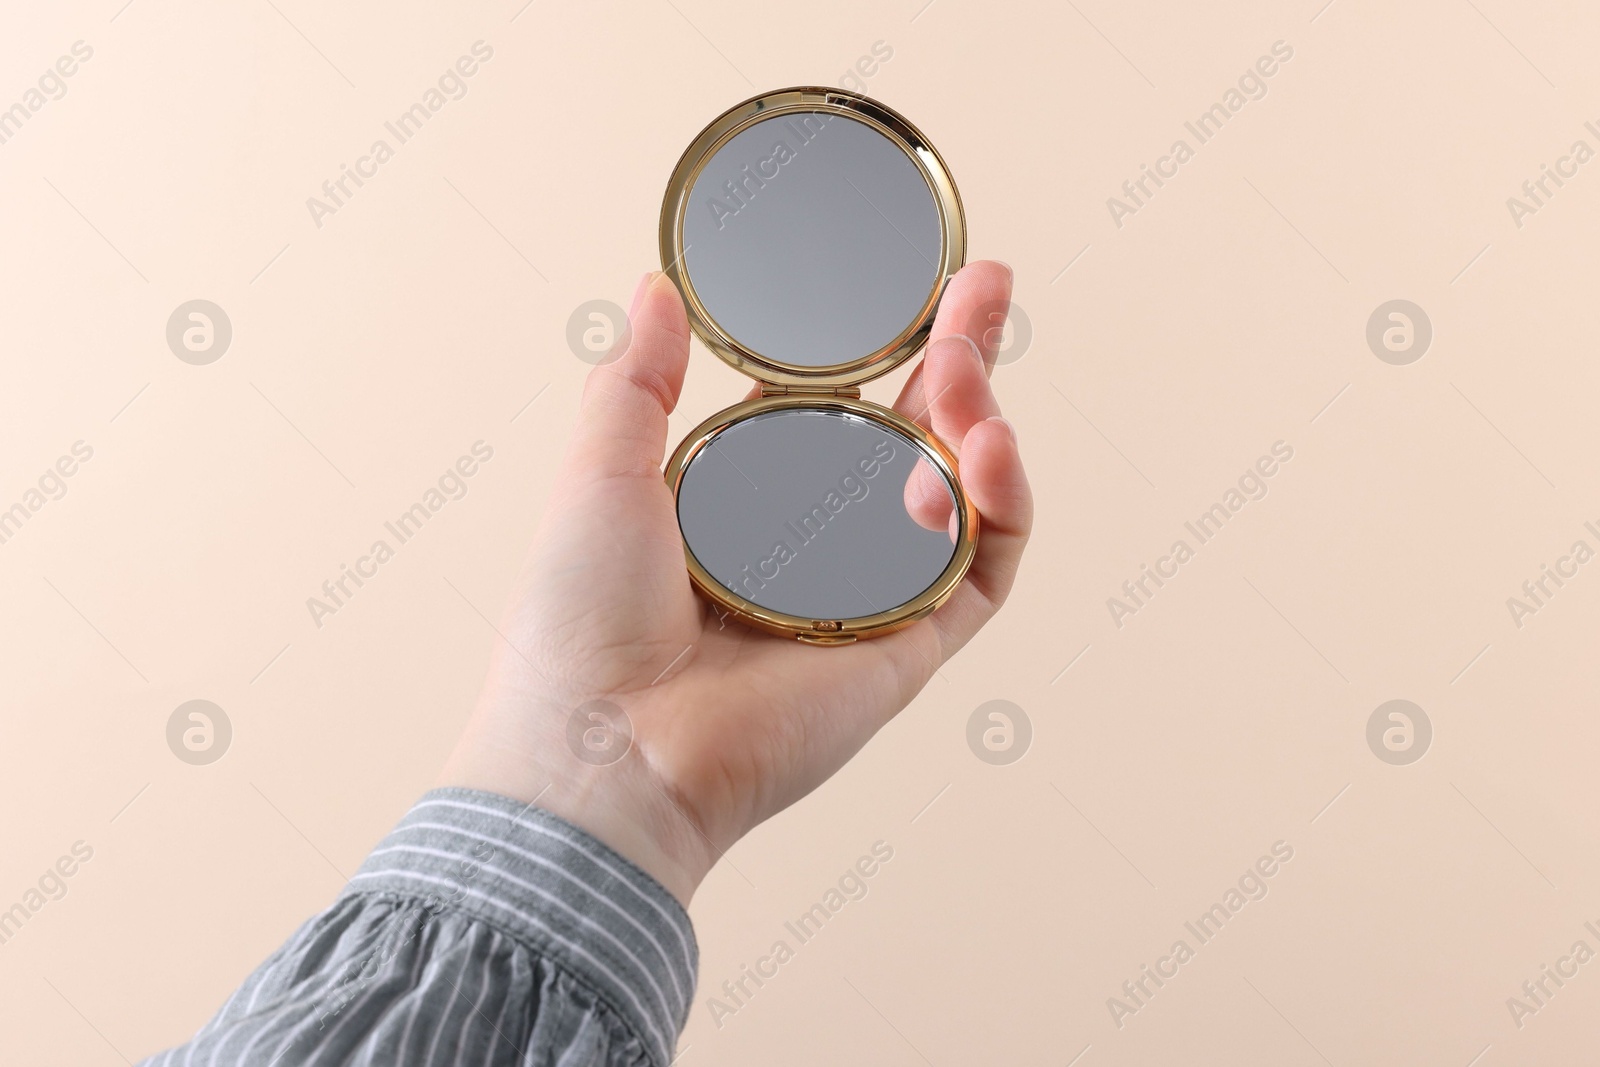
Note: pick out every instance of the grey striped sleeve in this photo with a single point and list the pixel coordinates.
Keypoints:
(481, 931)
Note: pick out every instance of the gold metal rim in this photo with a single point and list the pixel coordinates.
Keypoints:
(832, 631)
(952, 226)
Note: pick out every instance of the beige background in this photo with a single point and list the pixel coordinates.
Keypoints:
(1226, 315)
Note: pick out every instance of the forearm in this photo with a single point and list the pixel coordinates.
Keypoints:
(480, 930)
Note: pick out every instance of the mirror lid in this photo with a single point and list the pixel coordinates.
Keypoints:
(952, 229)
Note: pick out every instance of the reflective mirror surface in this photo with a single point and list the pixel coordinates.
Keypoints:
(812, 239)
(805, 512)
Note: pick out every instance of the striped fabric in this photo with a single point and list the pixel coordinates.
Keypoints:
(481, 931)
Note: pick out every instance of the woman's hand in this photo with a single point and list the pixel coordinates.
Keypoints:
(728, 726)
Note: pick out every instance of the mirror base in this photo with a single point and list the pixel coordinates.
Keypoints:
(832, 631)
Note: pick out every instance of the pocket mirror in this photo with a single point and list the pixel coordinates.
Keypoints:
(811, 233)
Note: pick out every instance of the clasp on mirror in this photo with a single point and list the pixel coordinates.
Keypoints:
(826, 632)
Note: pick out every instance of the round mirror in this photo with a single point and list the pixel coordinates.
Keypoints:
(812, 239)
(819, 514)
(811, 232)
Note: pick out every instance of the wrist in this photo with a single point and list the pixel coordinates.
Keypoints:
(620, 804)
(645, 829)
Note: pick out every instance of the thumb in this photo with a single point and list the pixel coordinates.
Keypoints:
(622, 420)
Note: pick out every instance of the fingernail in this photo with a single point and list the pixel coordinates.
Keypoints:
(971, 345)
(1010, 429)
(640, 289)
(1009, 271)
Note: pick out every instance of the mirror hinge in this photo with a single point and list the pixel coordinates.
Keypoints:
(851, 391)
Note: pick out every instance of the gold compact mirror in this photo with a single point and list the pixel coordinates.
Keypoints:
(812, 232)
